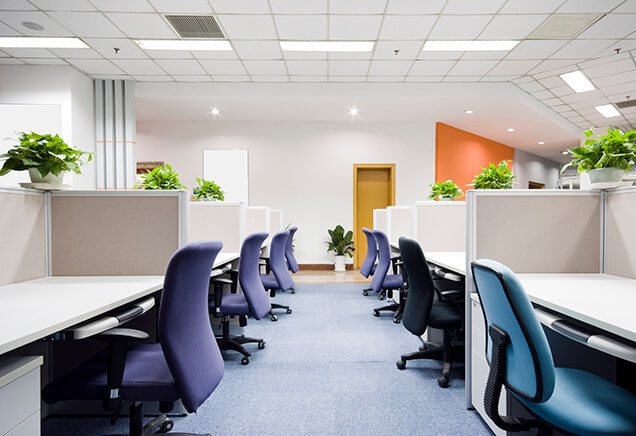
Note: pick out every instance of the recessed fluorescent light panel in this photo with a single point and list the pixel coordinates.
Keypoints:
(329, 46)
(469, 45)
(183, 44)
(354, 111)
(578, 81)
(607, 110)
(37, 42)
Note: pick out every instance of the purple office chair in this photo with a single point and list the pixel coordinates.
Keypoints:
(186, 365)
(253, 301)
(289, 251)
(279, 278)
(368, 265)
(383, 282)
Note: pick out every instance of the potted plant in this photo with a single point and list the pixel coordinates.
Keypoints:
(494, 177)
(163, 178)
(607, 158)
(445, 191)
(208, 190)
(341, 245)
(46, 157)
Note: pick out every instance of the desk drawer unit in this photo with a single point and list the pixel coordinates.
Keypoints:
(20, 396)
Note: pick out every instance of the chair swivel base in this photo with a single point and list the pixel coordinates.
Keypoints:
(366, 291)
(159, 425)
(236, 344)
(396, 308)
(431, 351)
(273, 316)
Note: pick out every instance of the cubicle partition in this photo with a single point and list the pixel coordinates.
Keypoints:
(276, 221)
(620, 237)
(219, 221)
(379, 220)
(257, 219)
(439, 225)
(398, 222)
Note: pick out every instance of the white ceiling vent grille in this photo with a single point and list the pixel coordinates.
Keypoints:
(195, 26)
(564, 26)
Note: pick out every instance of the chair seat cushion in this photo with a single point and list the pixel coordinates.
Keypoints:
(445, 316)
(269, 281)
(146, 378)
(584, 403)
(234, 304)
(393, 281)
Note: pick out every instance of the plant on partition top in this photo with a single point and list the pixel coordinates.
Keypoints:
(208, 190)
(341, 243)
(48, 153)
(494, 177)
(616, 149)
(164, 178)
(447, 189)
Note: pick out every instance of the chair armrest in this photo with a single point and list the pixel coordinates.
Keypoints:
(453, 295)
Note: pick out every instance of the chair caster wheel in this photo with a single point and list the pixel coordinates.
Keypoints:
(376, 313)
(397, 320)
(442, 382)
(261, 345)
(274, 318)
(380, 297)
(365, 293)
(289, 311)
(401, 364)
(293, 291)
(245, 360)
(166, 426)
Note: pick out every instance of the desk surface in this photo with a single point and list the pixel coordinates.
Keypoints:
(454, 261)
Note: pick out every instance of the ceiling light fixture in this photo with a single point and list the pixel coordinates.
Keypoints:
(541, 142)
(577, 81)
(183, 44)
(510, 129)
(353, 111)
(215, 111)
(608, 110)
(38, 42)
(329, 46)
(469, 111)
(469, 45)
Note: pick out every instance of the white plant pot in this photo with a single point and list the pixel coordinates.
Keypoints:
(606, 175)
(444, 199)
(340, 263)
(50, 178)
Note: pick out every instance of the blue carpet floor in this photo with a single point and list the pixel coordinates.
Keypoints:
(328, 368)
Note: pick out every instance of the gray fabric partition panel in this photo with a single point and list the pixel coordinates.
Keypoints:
(620, 237)
(113, 235)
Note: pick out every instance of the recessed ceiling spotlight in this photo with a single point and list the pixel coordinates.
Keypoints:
(577, 81)
(215, 111)
(38, 42)
(353, 111)
(541, 142)
(564, 152)
(33, 26)
(510, 129)
(469, 111)
(607, 110)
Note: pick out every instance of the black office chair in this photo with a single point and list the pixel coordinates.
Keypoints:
(422, 311)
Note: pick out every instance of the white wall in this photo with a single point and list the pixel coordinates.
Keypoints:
(305, 169)
(529, 167)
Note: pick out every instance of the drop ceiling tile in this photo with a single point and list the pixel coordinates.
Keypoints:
(431, 68)
(196, 78)
(170, 54)
(10, 61)
(407, 26)
(160, 78)
(4, 54)
(511, 26)
(138, 67)
(223, 67)
(580, 48)
(543, 95)
(106, 47)
(407, 50)
(76, 53)
(212, 54)
(531, 86)
(609, 68)
(623, 44)
(308, 78)
(298, 7)
(7, 31)
(354, 27)
(93, 24)
(180, 67)
(390, 68)
(46, 61)
(588, 6)
(182, 6)
(265, 68)
(505, 68)
(248, 26)
(357, 6)
(610, 26)
(270, 78)
(484, 55)
(240, 6)
(302, 55)
(353, 56)
(602, 61)
(530, 7)
(524, 79)
(450, 27)
(498, 78)
(142, 25)
(552, 82)
(616, 79)
(553, 65)
(307, 68)
(95, 66)
(473, 7)
(462, 78)
(622, 89)
(29, 52)
(627, 7)
(562, 90)
(415, 6)
(471, 68)
(574, 99)
(347, 78)
(385, 79)
(123, 5)
(232, 79)
(440, 55)
(258, 49)
(411, 78)
(535, 49)
(301, 27)
(63, 5)
(17, 5)
(348, 68)
(51, 27)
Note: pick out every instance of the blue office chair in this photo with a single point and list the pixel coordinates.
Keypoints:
(368, 265)
(279, 278)
(253, 301)
(289, 251)
(565, 399)
(186, 365)
(382, 282)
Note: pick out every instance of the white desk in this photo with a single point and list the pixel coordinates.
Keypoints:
(454, 261)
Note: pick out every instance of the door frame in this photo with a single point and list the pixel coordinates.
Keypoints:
(356, 168)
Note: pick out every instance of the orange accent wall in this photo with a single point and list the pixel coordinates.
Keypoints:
(460, 155)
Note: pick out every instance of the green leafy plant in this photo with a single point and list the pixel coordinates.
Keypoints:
(208, 190)
(161, 178)
(616, 149)
(48, 153)
(494, 177)
(341, 243)
(447, 189)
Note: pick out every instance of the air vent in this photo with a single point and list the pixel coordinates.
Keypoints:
(564, 26)
(195, 26)
(626, 104)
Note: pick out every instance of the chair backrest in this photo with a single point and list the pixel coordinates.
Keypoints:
(372, 253)
(250, 277)
(289, 250)
(384, 260)
(277, 261)
(186, 336)
(417, 310)
(529, 364)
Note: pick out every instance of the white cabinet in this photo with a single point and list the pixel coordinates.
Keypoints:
(20, 396)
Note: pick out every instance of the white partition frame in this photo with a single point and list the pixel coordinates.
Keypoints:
(379, 220)
(275, 221)
(398, 223)
(224, 221)
(439, 225)
(257, 219)
(619, 239)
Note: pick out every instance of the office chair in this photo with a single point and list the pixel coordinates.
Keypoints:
(279, 278)
(289, 251)
(186, 364)
(382, 282)
(566, 399)
(253, 301)
(422, 311)
(368, 265)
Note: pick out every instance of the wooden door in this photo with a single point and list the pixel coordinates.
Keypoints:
(373, 188)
